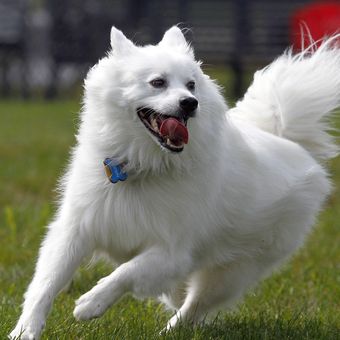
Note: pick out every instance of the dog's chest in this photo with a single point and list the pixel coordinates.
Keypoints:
(135, 215)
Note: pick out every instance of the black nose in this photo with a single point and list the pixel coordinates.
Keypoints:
(188, 105)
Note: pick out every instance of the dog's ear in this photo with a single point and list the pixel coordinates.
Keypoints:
(174, 38)
(119, 42)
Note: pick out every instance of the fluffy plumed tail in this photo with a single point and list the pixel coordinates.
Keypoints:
(295, 96)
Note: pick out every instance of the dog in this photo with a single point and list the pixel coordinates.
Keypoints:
(198, 202)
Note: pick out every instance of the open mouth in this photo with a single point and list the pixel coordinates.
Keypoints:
(171, 132)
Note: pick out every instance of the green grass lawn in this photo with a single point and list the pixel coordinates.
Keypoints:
(302, 301)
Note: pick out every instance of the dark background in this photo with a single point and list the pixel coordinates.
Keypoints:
(46, 46)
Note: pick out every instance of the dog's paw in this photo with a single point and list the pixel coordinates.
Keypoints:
(26, 331)
(91, 305)
(172, 323)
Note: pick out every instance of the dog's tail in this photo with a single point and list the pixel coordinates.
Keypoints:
(295, 96)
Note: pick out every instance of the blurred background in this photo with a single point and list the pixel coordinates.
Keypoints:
(46, 46)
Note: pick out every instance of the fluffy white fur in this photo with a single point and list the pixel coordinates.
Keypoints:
(200, 227)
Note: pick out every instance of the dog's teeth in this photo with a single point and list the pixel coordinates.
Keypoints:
(154, 124)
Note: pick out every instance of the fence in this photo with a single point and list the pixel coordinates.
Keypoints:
(238, 33)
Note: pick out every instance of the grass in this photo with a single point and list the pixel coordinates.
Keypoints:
(299, 302)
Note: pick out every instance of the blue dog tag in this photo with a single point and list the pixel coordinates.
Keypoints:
(114, 170)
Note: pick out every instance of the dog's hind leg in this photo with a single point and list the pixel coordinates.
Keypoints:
(60, 255)
(214, 288)
(175, 297)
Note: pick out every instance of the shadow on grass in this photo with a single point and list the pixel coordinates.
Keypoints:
(146, 321)
(260, 327)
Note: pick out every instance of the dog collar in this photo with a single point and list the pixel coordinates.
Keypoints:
(114, 170)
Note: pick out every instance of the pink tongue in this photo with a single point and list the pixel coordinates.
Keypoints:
(175, 130)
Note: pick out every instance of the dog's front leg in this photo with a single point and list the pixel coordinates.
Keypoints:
(60, 254)
(148, 274)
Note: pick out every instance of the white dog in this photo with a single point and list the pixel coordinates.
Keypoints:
(215, 199)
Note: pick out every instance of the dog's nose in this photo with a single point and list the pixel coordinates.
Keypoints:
(188, 105)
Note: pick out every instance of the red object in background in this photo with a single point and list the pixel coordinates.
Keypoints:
(319, 19)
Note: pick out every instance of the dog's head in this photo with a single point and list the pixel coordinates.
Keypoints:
(152, 106)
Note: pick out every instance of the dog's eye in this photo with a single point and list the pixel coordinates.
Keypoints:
(158, 83)
(191, 85)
